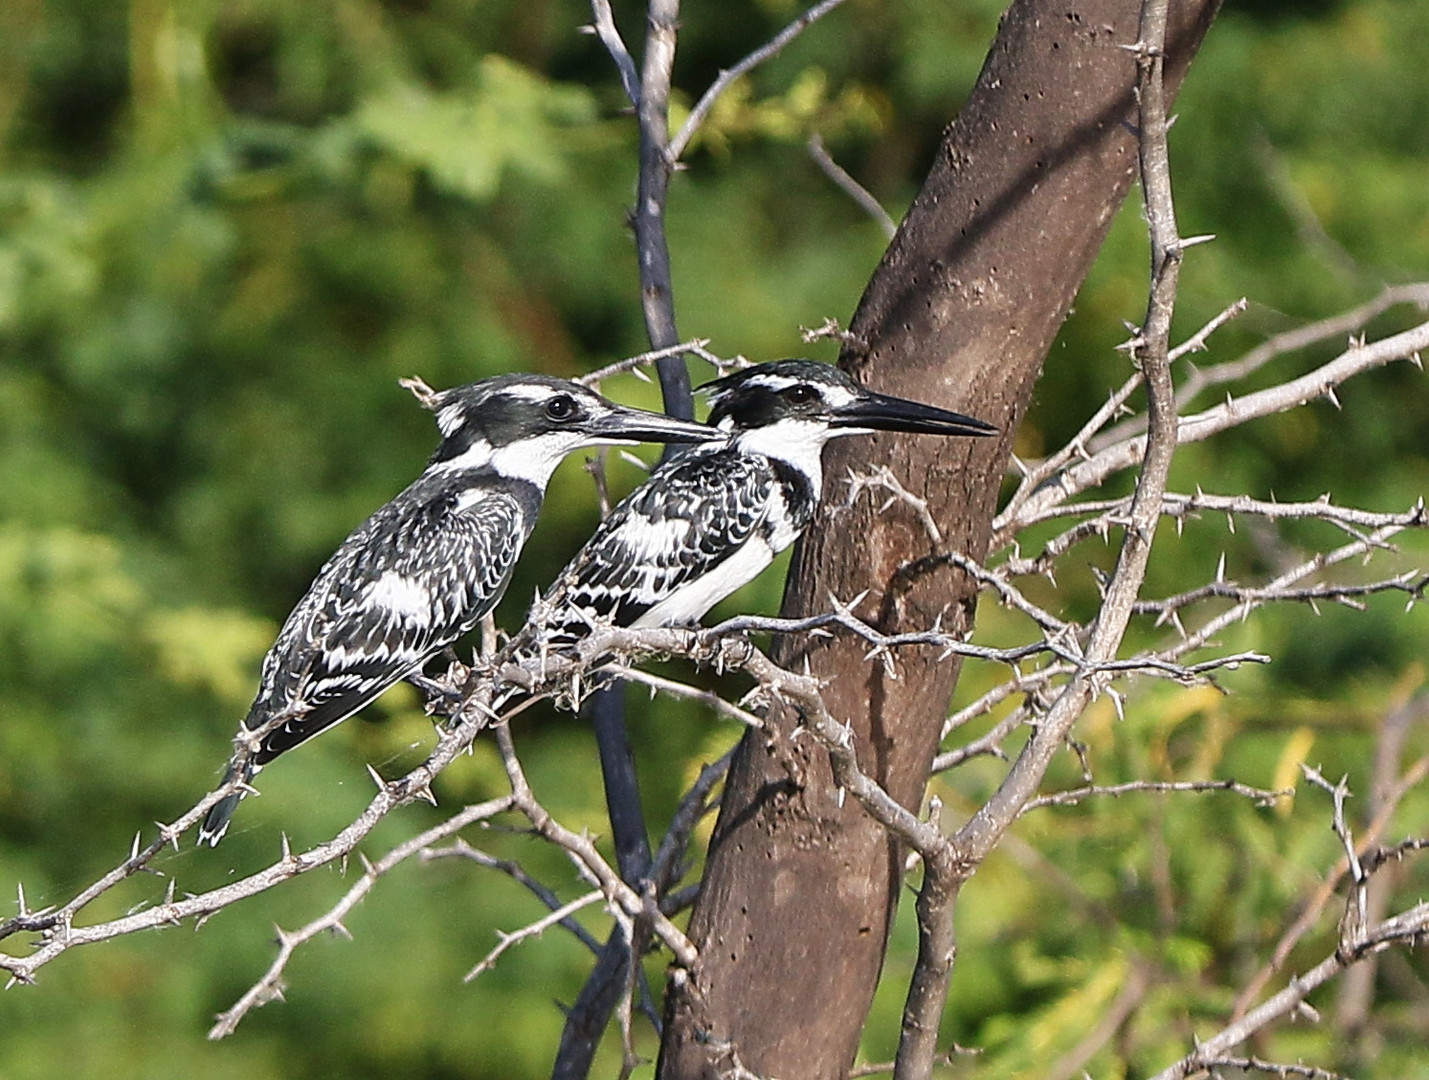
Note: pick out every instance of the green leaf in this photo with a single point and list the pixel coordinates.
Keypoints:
(466, 140)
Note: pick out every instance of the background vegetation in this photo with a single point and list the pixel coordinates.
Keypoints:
(226, 229)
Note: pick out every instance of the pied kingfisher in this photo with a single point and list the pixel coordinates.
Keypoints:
(709, 520)
(424, 569)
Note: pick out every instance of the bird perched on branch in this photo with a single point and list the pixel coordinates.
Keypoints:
(709, 520)
(424, 569)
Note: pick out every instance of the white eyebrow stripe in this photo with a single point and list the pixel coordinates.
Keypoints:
(532, 393)
(772, 381)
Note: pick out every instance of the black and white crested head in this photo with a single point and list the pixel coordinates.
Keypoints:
(521, 426)
(789, 409)
(779, 390)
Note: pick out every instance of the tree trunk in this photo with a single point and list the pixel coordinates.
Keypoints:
(800, 890)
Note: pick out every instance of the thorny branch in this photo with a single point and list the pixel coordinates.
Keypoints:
(1060, 643)
(1260, 796)
(270, 986)
(1035, 502)
(1314, 906)
(460, 849)
(851, 187)
(1054, 674)
(1359, 937)
(950, 862)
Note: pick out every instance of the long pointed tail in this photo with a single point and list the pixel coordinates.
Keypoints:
(216, 823)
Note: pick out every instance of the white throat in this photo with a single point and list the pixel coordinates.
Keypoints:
(796, 441)
(534, 460)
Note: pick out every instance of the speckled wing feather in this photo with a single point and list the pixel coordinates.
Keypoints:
(692, 515)
(420, 573)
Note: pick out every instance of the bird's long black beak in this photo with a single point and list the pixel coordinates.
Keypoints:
(883, 412)
(624, 424)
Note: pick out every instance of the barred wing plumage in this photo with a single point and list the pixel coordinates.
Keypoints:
(694, 514)
(408, 583)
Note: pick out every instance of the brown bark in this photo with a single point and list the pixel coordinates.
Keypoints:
(799, 892)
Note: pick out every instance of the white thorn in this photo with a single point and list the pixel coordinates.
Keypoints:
(630, 459)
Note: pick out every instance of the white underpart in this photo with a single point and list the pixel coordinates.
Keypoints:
(799, 442)
(688, 605)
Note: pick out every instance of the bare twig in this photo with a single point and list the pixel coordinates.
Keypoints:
(1415, 294)
(693, 347)
(605, 29)
(59, 932)
(1233, 412)
(583, 852)
(851, 187)
(460, 849)
(1314, 907)
(1357, 991)
(722, 83)
(1034, 476)
(561, 915)
(1260, 796)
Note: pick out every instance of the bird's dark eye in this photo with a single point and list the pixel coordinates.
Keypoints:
(800, 394)
(561, 407)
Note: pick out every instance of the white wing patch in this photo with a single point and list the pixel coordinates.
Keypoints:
(410, 600)
(647, 540)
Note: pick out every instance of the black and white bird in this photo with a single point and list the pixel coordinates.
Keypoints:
(709, 520)
(423, 570)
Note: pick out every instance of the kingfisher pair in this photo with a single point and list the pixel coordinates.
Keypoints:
(425, 568)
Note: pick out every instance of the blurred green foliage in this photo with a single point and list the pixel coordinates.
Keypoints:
(227, 228)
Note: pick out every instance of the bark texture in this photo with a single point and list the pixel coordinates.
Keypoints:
(799, 892)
